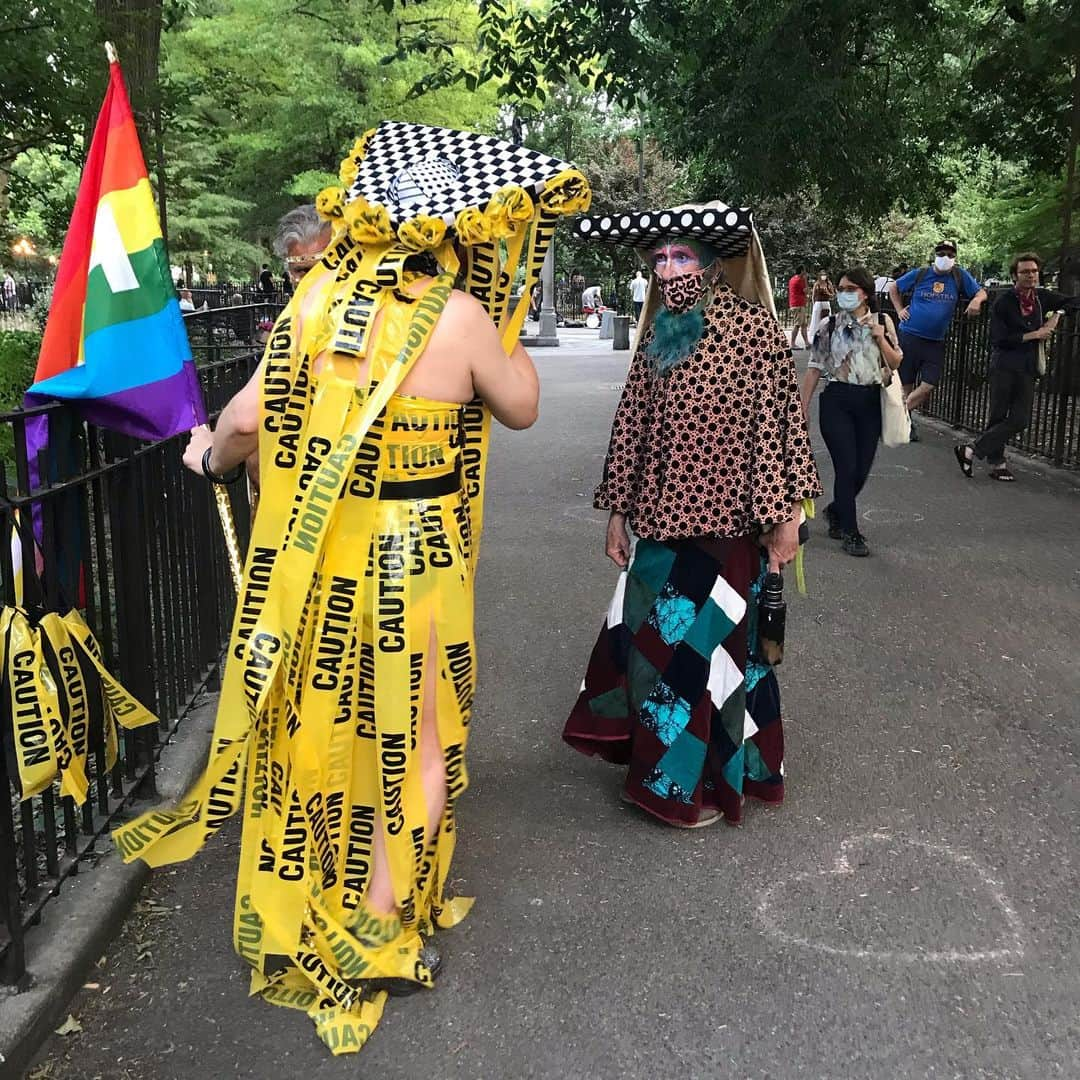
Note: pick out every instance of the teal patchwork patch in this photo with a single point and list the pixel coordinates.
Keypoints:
(684, 760)
(652, 563)
(734, 770)
(709, 630)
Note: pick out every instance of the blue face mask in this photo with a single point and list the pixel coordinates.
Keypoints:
(848, 299)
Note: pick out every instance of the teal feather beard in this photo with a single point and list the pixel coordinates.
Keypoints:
(675, 337)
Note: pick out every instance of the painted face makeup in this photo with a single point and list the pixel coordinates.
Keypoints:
(674, 259)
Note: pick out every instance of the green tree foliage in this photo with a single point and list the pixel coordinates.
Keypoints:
(46, 66)
(270, 94)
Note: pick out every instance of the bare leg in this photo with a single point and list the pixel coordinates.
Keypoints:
(919, 396)
(380, 896)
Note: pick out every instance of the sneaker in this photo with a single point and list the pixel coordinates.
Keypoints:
(835, 531)
(855, 544)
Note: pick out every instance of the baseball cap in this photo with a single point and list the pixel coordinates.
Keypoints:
(945, 245)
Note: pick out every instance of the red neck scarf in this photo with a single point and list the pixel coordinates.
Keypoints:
(1027, 301)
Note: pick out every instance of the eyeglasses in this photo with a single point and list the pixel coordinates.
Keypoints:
(1028, 270)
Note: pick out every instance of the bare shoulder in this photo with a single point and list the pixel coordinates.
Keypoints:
(463, 310)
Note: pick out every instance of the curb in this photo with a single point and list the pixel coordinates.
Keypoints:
(78, 924)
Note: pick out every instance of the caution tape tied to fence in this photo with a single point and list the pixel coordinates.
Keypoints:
(51, 667)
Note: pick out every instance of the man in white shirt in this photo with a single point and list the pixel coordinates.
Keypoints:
(638, 288)
(590, 298)
(186, 303)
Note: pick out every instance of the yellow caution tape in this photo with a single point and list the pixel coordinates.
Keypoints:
(50, 700)
(353, 608)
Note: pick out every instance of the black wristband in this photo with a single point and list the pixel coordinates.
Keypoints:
(228, 478)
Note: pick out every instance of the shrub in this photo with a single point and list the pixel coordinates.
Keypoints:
(18, 359)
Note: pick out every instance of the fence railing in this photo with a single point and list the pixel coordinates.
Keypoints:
(962, 398)
(231, 295)
(130, 537)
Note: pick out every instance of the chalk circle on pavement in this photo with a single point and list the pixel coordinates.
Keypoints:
(891, 898)
(892, 517)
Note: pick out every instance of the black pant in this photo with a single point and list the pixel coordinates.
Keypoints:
(1011, 395)
(850, 419)
(638, 305)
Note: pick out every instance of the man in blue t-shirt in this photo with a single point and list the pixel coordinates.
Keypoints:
(924, 320)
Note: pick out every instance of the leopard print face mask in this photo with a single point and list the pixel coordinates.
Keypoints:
(680, 294)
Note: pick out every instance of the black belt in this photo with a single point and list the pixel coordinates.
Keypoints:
(425, 488)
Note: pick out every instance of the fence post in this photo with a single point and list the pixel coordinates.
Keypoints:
(1065, 347)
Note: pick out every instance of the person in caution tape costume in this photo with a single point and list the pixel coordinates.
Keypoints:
(345, 705)
(710, 466)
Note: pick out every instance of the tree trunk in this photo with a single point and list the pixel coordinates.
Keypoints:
(134, 27)
(159, 169)
(1067, 263)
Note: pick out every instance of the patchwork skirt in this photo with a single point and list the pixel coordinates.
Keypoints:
(675, 689)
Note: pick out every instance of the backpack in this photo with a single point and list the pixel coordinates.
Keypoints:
(923, 271)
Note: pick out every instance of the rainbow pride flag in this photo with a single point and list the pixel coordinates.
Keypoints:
(115, 341)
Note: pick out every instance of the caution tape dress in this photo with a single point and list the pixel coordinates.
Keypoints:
(323, 694)
(358, 581)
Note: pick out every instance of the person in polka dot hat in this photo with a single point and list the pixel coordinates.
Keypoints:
(708, 474)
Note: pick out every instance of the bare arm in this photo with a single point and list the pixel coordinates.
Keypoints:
(977, 302)
(897, 303)
(236, 436)
(806, 391)
(507, 384)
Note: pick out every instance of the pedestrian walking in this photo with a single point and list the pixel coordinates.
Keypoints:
(708, 465)
(797, 286)
(266, 279)
(638, 287)
(855, 351)
(11, 302)
(348, 691)
(932, 295)
(1022, 321)
(822, 295)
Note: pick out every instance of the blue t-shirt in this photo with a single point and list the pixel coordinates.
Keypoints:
(934, 301)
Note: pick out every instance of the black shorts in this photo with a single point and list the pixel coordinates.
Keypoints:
(922, 360)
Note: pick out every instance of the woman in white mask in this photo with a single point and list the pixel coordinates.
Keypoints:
(850, 351)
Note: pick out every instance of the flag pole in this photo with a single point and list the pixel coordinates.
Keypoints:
(228, 527)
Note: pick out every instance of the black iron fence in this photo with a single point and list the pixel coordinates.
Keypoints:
(219, 332)
(130, 537)
(963, 396)
(234, 295)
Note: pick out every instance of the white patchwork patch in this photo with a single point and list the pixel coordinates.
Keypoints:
(728, 600)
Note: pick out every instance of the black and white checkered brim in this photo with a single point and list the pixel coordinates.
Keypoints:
(413, 169)
(727, 228)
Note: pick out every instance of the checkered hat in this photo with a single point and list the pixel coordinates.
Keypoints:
(726, 228)
(413, 169)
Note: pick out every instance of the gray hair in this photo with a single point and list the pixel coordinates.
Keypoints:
(300, 226)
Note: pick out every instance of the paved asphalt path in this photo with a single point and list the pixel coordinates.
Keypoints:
(910, 911)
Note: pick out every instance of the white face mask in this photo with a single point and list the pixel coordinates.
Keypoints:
(944, 263)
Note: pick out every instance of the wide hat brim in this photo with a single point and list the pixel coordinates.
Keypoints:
(413, 170)
(726, 228)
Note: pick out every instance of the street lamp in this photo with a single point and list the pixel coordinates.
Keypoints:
(24, 249)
